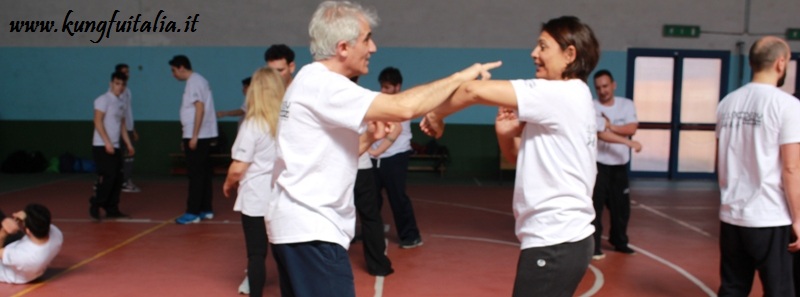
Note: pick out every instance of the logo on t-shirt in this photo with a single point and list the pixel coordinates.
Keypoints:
(285, 109)
(735, 119)
(591, 135)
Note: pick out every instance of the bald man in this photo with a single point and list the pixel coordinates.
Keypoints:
(758, 133)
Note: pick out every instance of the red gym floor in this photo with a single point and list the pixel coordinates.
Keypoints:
(468, 229)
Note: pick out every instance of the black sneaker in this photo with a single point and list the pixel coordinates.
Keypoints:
(411, 244)
(116, 215)
(94, 212)
(625, 250)
(381, 273)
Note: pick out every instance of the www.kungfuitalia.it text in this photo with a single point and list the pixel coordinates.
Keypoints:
(136, 24)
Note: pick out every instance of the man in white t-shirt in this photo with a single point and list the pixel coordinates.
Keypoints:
(611, 187)
(199, 134)
(323, 119)
(109, 127)
(281, 58)
(391, 167)
(27, 258)
(127, 166)
(758, 132)
(242, 110)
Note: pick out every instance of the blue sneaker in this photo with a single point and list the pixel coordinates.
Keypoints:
(187, 218)
(206, 215)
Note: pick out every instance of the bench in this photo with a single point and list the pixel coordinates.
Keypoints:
(219, 163)
(428, 162)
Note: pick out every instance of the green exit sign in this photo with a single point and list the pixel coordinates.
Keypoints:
(793, 33)
(681, 31)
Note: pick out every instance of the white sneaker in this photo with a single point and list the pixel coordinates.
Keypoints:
(129, 187)
(244, 288)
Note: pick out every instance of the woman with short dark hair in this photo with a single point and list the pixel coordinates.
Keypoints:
(551, 124)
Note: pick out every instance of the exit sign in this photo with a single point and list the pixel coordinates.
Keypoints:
(681, 31)
(793, 34)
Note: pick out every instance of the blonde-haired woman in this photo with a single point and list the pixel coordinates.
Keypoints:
(253, 155)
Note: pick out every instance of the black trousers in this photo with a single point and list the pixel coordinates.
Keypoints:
(198, 165)
(366, 201)
(744, 251)
(314, 269)
(392, 173)
(109, 179)
(255, 239)
(127, 164)
(611, 190)
(553, 271)
(796, 269)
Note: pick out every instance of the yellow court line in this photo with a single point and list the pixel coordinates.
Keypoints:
(95, 257)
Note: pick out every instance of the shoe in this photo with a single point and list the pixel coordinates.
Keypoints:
(244, 288)
(598, 255)
(386, 273)
(625, 250)
(129, 187)
(411, 244)
(206, 215)
(94, 212)
(187, 218)
(116, 215)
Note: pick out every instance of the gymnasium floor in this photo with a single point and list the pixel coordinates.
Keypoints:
(467, 226)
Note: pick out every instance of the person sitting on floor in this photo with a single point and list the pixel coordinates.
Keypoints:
(26, 259)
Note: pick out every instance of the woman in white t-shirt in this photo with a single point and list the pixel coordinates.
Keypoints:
(253, 155)
(555, 138)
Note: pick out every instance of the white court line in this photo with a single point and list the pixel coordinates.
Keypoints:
(379, 286)
(677, 221)
(477, 182)
(36, 186)
(467, 206)
(599, 280)
(677, 268)
(685, 207)
(109, 220)
(144, 220)
(481, 239)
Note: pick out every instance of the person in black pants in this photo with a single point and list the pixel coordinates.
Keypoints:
(199, 122)
(109, 122)
(611, 187)
(366, 201)
(390, 158)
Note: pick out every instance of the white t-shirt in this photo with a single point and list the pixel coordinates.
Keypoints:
(197, 89)
(752, 123)
(623, 112)
(401, 145)
(556, 165)
(24, 261)
(113, 108)
(364, 161)
(126, 95)
(244, 109)
(321, 119)
(257, 147)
